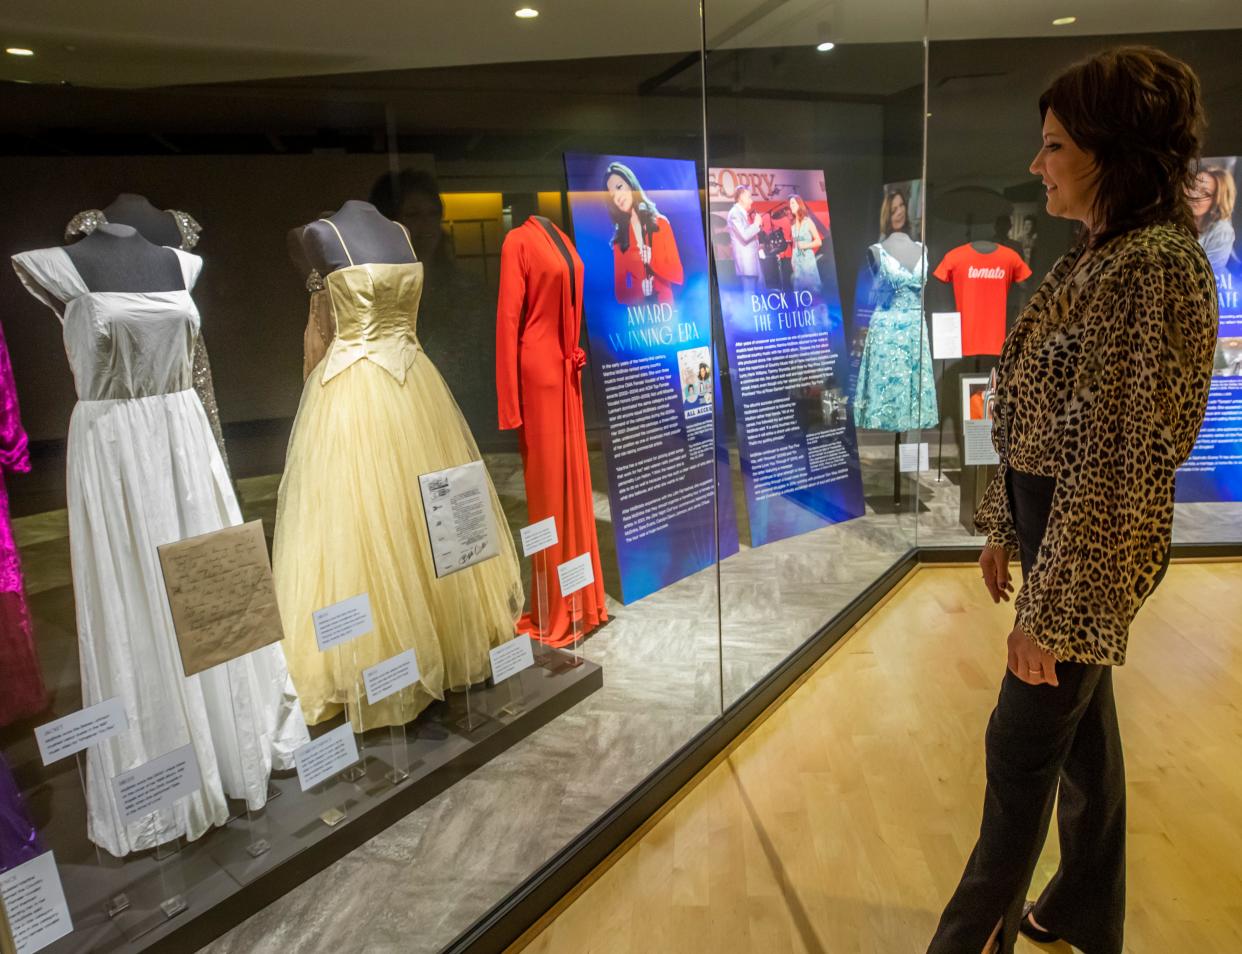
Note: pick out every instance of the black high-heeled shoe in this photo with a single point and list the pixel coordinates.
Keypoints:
(1027, 929)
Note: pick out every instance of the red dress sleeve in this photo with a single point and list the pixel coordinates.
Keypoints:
(509, 308)
(665, 259)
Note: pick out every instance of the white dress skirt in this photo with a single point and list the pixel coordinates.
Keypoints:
(144, 470)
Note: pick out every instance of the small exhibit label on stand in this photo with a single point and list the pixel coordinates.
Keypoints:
(576, 574)
(330, 754)
(978, 440)
(539, 536)
(946, 334)
(391, 675)
(35, 903)
(80, 730)
(157, 784)
(508, 659)
(337, 624)
(914, 457)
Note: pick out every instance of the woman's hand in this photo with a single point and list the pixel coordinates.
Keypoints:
(1028, 662)
(994, 561)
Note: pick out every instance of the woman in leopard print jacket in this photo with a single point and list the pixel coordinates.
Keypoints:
(1101, 389)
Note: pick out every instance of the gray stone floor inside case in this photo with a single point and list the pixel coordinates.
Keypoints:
(420, 883)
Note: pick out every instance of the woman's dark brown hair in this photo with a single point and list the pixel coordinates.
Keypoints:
(1139, 113)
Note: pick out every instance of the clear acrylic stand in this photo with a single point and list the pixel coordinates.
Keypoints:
(337, 812)
(544, 654)
(257, 842)
(399, 768)
(172, 876)
(119, 902)
(475, 708)
(357, 718)
(575, 619)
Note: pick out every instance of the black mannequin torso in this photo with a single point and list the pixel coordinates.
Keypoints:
(155, 225)
(371, 239)
(117, 258)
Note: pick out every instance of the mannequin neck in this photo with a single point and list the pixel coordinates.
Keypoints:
(365, 237)
(154, 224)
(984, 247)
(117, 258)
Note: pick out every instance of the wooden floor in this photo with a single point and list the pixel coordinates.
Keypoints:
(841, 823)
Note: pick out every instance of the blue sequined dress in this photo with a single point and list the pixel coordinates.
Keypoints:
(896, 390)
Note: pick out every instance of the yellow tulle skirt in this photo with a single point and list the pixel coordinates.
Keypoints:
(350, 520)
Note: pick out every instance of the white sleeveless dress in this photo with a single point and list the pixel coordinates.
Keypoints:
(144, 470)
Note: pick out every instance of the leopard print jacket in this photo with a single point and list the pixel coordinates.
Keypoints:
(1103, 385)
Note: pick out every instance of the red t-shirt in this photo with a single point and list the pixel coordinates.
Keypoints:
(981, 283)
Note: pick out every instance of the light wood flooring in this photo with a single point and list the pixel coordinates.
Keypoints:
(841, 823)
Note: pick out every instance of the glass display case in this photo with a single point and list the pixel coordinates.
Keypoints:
(430, 435)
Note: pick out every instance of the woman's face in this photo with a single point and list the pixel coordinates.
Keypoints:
(621, 193)
(1068, 173)
(1203, 195)
(703, 373)
(897, 213)
(793, 207)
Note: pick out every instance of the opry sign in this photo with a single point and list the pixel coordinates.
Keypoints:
(722, 183)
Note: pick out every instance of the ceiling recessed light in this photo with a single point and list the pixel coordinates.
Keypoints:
(19, 51)
(1064, 21)
(825, 46)
(526, 13)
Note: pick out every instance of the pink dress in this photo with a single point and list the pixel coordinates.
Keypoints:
(22, 693)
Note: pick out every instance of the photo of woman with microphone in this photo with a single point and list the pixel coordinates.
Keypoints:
(646, 262)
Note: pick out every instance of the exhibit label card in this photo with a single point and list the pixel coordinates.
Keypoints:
(80, 730)
(34, 901)
(460, 522)
(539, 536)
(978, 440)
(328, 755)
(575, 574)
(914, 457)
(390, 676)
(508, 659)
(221, 595)
(157, 784)
(946, 334)
(341, 622)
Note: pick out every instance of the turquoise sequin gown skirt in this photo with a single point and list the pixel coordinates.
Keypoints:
(896, 390)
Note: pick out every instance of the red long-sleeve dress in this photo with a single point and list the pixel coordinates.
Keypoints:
(539, 391)
(666, 271)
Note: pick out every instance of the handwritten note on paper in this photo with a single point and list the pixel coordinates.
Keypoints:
(390, 676)
(914, 457)
(321, 758)
(538, 536)
(34, 901)
(80, 730)
(221, 595)
(341, 622)
(458, 505)
(575, 574)
(508, 659)
(157, 784)
(946, 334)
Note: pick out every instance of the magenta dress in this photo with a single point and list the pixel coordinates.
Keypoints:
(22, 693)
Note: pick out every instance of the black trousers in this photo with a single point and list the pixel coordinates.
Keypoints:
(1041, 740)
